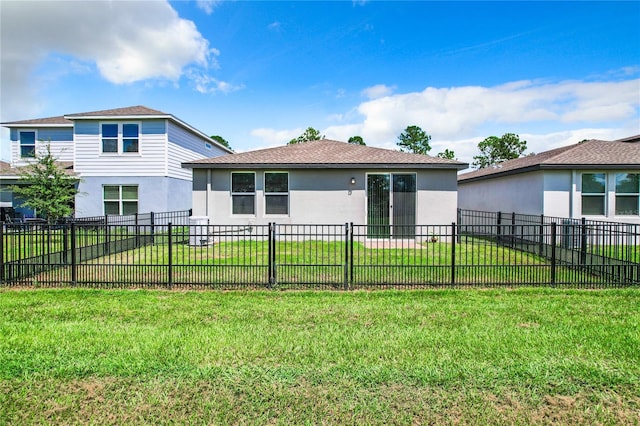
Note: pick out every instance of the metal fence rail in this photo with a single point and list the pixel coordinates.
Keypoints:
(316, 256)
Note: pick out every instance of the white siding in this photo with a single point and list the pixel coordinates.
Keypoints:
(90, 161)
(59, 139)
(185, 146)
(522, 193)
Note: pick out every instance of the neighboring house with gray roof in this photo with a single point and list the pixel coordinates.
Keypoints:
(327, 182)
(128, 159)
(594, 179)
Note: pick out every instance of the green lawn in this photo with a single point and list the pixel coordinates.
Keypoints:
(527, 356)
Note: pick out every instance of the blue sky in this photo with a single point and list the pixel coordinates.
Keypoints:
(259, 73)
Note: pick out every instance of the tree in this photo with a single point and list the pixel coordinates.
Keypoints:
(494, 150)
(310, 134)
(356, 140)
(46, 188)
(221, 141)
(415, 140)
(447, 154)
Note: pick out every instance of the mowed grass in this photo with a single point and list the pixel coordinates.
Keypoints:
(526, 356)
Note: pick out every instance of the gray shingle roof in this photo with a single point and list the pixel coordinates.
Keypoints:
(326, 153)
(48, 121)
(7, 170)
(118, 112)
(623, 153)
(67, 119)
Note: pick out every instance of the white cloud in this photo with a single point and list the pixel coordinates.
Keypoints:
(462, 112)
(274, 26)
(207, 5)
(378, 91)
(273, 137)
(546, 114)
(128, 41)
(205, 83)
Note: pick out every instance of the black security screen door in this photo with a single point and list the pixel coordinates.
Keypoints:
(391, 205)
(404, 206)
(378, 206)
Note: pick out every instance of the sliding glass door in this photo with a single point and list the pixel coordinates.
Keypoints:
(391, 205)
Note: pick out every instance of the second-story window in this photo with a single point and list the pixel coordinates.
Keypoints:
(118, 138)
(28, 144)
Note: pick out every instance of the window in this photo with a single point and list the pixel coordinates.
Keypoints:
(118, 138)
(593, 194)
(120, 199)
(129, 137)
(109, 138)
(28, 144)
(243, 193)
(276, 192)
(627, 194)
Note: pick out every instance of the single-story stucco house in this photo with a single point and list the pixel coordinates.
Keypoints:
(594, 179)
(325, 182)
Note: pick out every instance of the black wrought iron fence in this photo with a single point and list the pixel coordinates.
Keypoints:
(313, 256)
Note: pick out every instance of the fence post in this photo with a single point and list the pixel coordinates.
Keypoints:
(351, 266)
(453, 254)
(271, 254)
(513, 229)
(541, 243)
(346, 256)
(269, 268)
(499, 223)
(2, 252)
(583, 242)
(153, 228)
(74, 262)
(553, 253)
(170, 262)
(106, 237)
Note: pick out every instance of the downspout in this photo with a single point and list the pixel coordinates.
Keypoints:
(572, 190)
(206, 197)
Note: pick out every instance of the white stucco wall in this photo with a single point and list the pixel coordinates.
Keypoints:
(551, 192)
(520, 193)
(321, 196)
(155, 194)
(558, 194)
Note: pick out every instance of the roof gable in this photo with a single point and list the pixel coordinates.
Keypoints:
(323, 153)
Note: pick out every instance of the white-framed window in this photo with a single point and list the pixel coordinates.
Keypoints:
(594, 194)
(276, 193)
(27, 143)
(627, 194)
(120, 138)
(243, 193)
(120, 199)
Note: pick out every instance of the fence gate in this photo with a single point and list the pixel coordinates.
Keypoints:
(310, 255)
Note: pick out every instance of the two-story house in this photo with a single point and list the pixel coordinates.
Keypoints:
(128, 159)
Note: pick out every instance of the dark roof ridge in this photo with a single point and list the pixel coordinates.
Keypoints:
(130, 110)
(324, 153)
